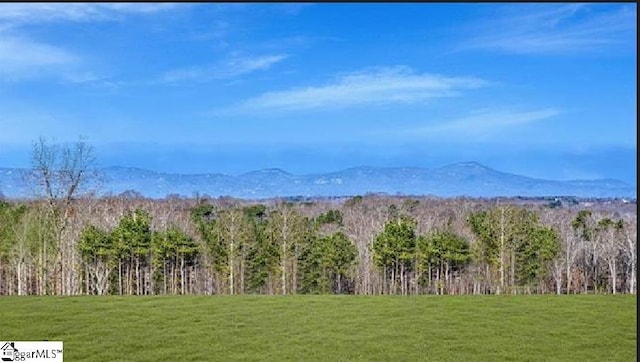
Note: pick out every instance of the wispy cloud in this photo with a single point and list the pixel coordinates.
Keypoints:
(555, 28)
(373, 86)
(489, 121)
(22, 13)
(478, 125)
(292, 8)
(230, 68)
(21, 57)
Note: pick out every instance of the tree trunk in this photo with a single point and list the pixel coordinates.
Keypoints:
(283, 265)
(501, 251)
(182, 274)
(613, 271)
(19, 275)
(120, 277)
(632, 283)
(164, 276)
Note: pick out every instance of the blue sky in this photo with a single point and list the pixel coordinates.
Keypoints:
(543, 90)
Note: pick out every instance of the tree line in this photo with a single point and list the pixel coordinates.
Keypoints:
(67, 241)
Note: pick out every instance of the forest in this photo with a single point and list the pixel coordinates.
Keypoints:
(68, 241)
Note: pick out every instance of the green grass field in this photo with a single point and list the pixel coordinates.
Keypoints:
(328, 328)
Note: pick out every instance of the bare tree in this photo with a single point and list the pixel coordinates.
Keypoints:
(628, 244)
(60, 174)
(36, 258)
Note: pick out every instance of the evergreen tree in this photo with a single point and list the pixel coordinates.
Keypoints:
(325, 264)
(445, 253)
(262, 251)
(513, 245)
(535, 254)
(98, 254)
(132, 236)
(394, 252)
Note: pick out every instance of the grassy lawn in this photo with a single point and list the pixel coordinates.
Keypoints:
(328, 328)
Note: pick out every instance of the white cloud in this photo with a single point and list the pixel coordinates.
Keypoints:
(292, 8)
(373, 86)
(230, 68)
(479, 125)
(544, 28)
(486, 121)
(20, 58)
(20, 13)
(23, 59)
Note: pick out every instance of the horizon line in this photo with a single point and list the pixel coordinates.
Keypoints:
(468, 163)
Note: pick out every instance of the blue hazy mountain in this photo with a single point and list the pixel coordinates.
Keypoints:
(460, 179)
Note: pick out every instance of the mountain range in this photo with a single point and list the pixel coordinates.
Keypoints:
(460, 179)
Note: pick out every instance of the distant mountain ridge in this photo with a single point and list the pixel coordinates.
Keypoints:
(459, 179)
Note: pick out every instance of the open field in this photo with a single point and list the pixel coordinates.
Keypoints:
(335, 328)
